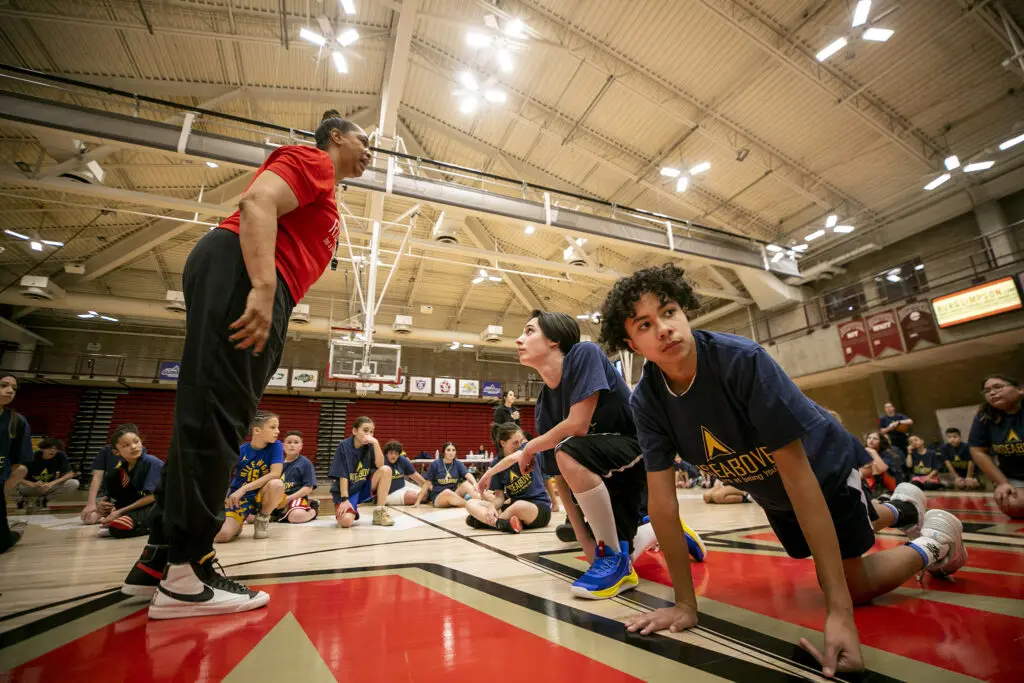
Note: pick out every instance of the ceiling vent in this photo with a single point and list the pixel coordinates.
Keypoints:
(492, 334)
(40, 288)
(175, 301)
(444, 231)
(300, 314)
(403, 324)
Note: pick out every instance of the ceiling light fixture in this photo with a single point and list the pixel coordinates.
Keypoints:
(938, 181)
(814, 235)
(340, 63)
(36, 246)
(52, 243)
(669, 172)
(774, 248)
(831, 221)
(494, 279)
(860, 13)
(700, 168)
(515, 28)
(952, 162)
(877, 35)
(483, 272)
(800, 247)
(495, 96)
(347, 37)
(468, 80)
(832, 48)
(778, 257)
(312, 37)
(212, 164)
(843, 229)
(979, 166)
(468, 105)
(529, 229)
(505, 61)
(683, 184)
(349, 6)
(477, 280)
(1012, 142)
(16, 234)
(478, 40)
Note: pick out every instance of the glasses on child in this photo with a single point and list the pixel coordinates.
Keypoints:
(993, 389)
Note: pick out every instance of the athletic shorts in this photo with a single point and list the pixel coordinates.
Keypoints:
(250, 505)
(282, 512)
(435, 492)
(852, 516)
(134, 523)
(541, 521)
(398, 497)
(363, 493)
(619, 461)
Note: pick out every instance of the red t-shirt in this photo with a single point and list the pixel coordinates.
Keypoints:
(305, 236)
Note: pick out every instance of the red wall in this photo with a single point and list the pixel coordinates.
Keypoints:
(425, 425)
(153, 411)
(49, 409)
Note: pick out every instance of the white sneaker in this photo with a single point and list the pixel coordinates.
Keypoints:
(262, 524)
(947, 530)
(909, 493)
(198, 590)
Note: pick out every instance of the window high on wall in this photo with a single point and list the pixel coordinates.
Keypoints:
(845, 302)
(902, 281)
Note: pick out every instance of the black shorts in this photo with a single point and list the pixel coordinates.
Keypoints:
(541, 521)
(852, 515)
(619, 461)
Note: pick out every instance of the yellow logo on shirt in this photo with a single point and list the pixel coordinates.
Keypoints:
(1011, 437)
(517, 483)
(1011, 446)
(513, 476)
(253, 471)
(713, 446)
(361, 473)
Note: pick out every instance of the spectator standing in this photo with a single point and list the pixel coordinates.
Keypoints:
(49, 475)
(506, 411)
(895, 426)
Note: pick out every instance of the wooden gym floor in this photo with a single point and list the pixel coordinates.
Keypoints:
(432, 600)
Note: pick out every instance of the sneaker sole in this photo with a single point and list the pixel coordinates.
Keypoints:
(515, 523)
(138, 591)
(916, 497)
(179, 611)
(694, 543)
(626, 583)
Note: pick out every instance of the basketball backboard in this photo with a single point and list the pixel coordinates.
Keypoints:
(355, 361)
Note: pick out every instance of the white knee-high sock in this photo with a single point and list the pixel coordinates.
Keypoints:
(597, 508)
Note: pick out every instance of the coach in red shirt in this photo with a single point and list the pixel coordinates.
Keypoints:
(241, 282)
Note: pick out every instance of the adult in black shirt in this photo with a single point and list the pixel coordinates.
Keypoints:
(895, 426)
(506, 411)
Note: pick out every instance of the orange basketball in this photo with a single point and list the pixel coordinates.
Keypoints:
(903, 428)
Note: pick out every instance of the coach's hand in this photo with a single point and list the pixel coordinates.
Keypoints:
(842, 645)
(254, 325)
(676, 619)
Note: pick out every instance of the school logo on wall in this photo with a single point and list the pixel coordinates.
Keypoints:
(304, 379)
(419, 385)
(169, 370)
(491, 389)
(398, 388)
(469, 388)
(445, 386)
(279, 378)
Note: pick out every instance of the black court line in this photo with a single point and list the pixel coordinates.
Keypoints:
(735, 632)
(51, 605)
(41, 626)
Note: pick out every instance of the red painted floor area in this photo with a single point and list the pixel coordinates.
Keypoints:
(965, 640)
(381, 628)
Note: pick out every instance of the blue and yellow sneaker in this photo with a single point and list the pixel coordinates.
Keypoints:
(645, 539)
(694, 543)
(610, 574)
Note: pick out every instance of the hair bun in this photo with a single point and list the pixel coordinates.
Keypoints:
(331, 114)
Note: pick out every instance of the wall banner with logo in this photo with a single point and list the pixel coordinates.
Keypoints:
(398, 388)
(918, 325)
(420, 385)
(854, 337)
(445, 386)
(491, 389)
(304, 379)
(279, 378)
(169, 370)
(469, 388)
(884, 332)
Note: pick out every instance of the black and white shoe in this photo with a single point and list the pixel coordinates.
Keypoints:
(198, 589)
(565, 533)
(145, 576)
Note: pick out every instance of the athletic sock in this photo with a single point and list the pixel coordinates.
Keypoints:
(930, 550)
(895, 513)
(597, 508)
(503, 525)
(906, 513)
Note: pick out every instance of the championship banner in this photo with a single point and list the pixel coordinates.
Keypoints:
(279, 378)
(420, 385)
(854, 337)
(169, 370)
(444, 386)
(304, 379)
(398, 388)
(884, 332)
(918, 325)
(491, 390)
(469, 388)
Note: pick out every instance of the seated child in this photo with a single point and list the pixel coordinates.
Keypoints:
(401, 471)
(299, 479)
(129, 485)
(521, 501)
(257, 487)
(955, 456)
(360, 474)
(448, 482)
(923, 465)
(49, 475)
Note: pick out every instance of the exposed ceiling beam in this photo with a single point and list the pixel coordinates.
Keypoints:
(477, 232)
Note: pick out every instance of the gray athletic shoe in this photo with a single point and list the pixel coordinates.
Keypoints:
(947, 530)
(262, 529)
(909, 493)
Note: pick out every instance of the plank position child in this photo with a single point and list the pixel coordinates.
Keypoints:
(257, 487)
(130, 486)
(401, 471)
(998, 429)
(724, 404)
(448, 483)
(720, 494)
(299, 480)
(360, 475)
(520, 501)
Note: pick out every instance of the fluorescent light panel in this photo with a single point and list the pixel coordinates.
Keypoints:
(349, 6)
(505, 61)
(16, 234)
(1012, 142)
(36, 246)
(477, 280)
(476, 39)
(700, 168)
(774, 248)
(878, 35)
(800, 247)
(515, 28)
(495, 96)
(832, 48)
(468, 80)
(468, 105)
(814, 235)
(831, 221)
(529, 229)
(669, 172)
(938, 181)
(339, 62)
(212, 164)
(860, 13)
(952, 162)
(347, 37)
(979, 166)
(312, 37)
(843, 229)
(682, 184)
(52, 243)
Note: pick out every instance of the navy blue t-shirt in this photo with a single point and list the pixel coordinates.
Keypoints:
(959, 457)
(445, 477)
(896, 437)
(400, 469)
(586, 371)
(125, 487)
(354, 464)
(517, 486)
(1005, 440)
(43, 470)
(16, 449)
(684, 466)
(923, 464)
(255, 463)
(740, 408)
(297, 474)
(894, 460)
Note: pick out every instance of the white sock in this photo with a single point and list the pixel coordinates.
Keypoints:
(597, 508)
(643, 540)
(931, 551)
